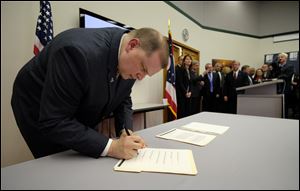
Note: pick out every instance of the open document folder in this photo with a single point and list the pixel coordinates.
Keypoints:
(179, 161)
(194, 133)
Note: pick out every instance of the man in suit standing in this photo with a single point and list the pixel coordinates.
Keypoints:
(79, 78)
(246, 70)
(233, 80)
(266, 72)
(179, 98)
(196, 88)
(220, 106)
(211, 89)
(284, 70)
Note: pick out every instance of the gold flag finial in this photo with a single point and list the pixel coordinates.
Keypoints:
(169, 24)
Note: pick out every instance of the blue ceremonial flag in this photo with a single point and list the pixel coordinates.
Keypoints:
(44, 27)
(170, 92)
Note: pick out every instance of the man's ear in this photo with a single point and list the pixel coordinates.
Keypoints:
(133, 43)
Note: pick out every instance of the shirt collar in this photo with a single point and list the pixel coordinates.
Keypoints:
(281, 65)
(114, 53)
(119, 51)
(122, 38)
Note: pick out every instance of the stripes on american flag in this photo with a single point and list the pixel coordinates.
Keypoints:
(44, 27)
(170, 91)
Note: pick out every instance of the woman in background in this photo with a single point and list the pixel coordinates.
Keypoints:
(258, 77)
(183, 88)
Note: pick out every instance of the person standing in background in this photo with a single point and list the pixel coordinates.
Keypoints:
(180, 100)
(284, 70)
(211, 89)
(220, 107)
(246, 70)
(252, 72)
(196, 87)
(271, 70)
(258, 77)
(180, 60)
(183, 88)
(226, 70)
(266, 73)
(234, 80)
(295, 95)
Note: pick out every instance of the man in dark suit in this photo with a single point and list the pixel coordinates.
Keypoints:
(220, 106)
(246, 70)
(284, 70)
(196, 88)
(266, 72)
(211, 89)
(82, 76)
(233, 80)
(180, 99)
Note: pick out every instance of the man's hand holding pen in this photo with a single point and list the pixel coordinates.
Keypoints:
(126, 147)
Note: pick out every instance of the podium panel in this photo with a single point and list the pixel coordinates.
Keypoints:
(261, 100)
(261, 105)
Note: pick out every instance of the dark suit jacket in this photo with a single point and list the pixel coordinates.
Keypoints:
(222, 79)
(216, 85)
(267, 75)
(231, 84)
(183, 83)
(195, 84)
(65, 91)
(285, 72)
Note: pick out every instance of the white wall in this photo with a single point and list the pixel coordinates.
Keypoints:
(266, 46)
(18, 21)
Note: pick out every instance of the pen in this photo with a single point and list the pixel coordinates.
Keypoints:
(127, 132)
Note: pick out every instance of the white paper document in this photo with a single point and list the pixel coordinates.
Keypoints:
(205, 128)
(179, 161)
(194, 133)
(186, 136)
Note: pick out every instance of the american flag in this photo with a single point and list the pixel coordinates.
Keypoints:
(44, 27)
(170, 92)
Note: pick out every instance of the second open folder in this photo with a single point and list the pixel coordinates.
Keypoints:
(194, 133)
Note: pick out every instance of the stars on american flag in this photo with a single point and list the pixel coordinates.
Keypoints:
(171, 78)
(44, 26)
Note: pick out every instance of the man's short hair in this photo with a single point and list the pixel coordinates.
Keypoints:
(206, 65)
(245, 67)
(283, 54)
(150, 41)
(235, 61)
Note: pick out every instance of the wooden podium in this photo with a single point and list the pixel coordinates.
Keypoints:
(261, 100)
